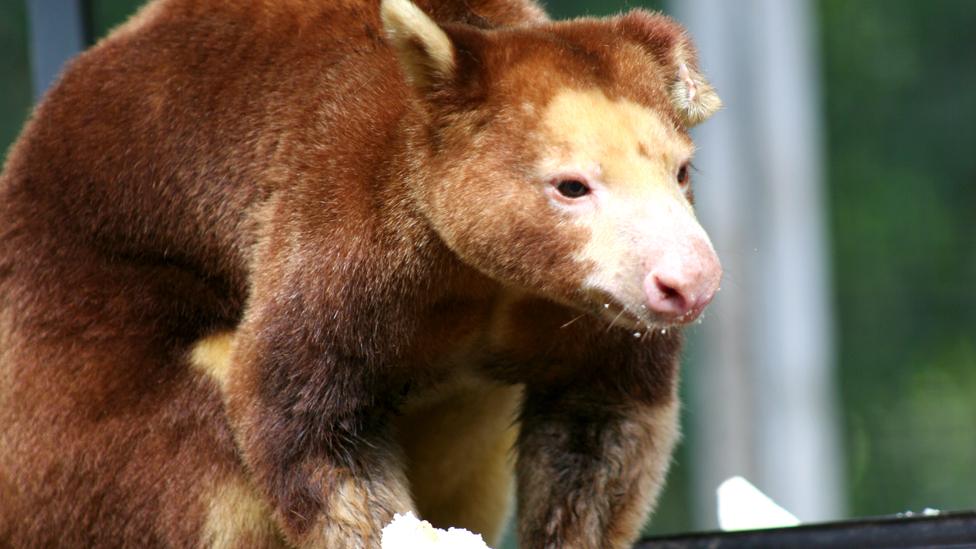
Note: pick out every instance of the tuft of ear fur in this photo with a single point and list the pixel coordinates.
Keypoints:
(692, 97)
(422, 47)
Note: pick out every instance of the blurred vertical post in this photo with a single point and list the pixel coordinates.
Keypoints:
(763, 397)
(58, 31)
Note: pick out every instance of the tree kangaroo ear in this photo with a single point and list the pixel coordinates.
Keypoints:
(422, 47)
(692, 97)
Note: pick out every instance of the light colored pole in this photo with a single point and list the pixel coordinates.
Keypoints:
(58, 31)
(763, 395)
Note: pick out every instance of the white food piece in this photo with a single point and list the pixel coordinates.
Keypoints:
(409, 532)
(741, 506)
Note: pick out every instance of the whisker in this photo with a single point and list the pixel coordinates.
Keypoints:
(572, 321)
(615, 319)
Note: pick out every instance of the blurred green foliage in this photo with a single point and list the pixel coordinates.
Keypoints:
(900, 106)
(15, 87)
(107, 14)
(565, 9)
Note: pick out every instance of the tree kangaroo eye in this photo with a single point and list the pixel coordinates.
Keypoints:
(572, 188)
(683, 177)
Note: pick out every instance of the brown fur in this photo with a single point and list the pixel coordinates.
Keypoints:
(264, 168)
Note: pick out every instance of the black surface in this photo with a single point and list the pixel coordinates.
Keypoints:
(943, 530)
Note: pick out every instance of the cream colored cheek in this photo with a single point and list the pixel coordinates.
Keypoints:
(629, 233)
(611, 243)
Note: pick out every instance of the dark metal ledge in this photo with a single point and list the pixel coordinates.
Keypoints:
(956, 529)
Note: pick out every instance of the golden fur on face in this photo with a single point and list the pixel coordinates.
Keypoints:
(638, 209)
(597, 252)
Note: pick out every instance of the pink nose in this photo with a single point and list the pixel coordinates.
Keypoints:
(679, 290)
